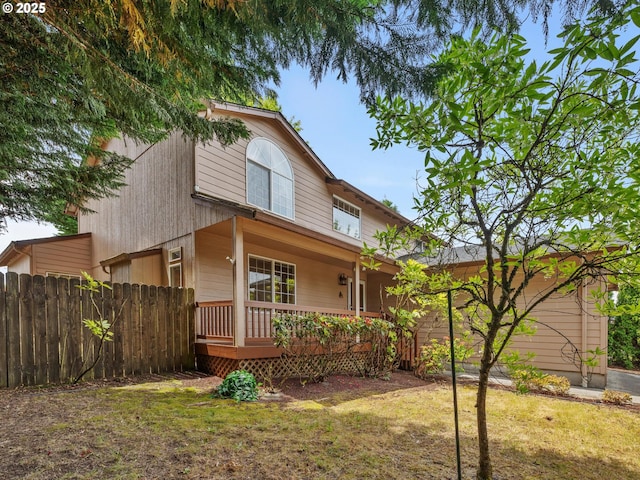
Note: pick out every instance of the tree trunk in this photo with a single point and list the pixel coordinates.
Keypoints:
(485, 470)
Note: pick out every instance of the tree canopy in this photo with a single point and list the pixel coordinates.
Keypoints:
(533, 168)
(81, 72)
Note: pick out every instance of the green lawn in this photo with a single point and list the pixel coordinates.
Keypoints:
(165, 430)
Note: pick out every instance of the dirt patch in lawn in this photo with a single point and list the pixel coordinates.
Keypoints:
(341, 388)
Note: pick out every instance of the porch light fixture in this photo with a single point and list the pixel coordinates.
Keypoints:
(342, 279)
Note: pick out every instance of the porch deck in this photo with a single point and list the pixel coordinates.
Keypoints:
(220, 351)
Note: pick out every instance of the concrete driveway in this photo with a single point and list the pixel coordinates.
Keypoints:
(623, 381)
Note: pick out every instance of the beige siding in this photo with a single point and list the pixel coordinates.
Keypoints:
(214, 271)
(155, 207)
(316, 281)
(70, 257)
(186, 242)
(147, 270)
(156, 210)
(22, 264)
(316, 278)
(151, 209)
(121, 273)
(222, 173)
(562, 313)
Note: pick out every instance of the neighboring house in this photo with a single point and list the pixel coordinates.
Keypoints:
(256, 228)
(56, 256)
(559, 320)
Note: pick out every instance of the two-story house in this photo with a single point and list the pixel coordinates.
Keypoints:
(256, 228)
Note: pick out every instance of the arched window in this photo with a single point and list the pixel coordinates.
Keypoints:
(269, 178)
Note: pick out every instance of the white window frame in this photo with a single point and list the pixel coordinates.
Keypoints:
(273, 262)
(174, 257)
(175, 254)
(348, 204)
(271, 181)
(68, 276)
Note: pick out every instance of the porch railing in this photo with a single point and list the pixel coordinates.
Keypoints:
(216, 320)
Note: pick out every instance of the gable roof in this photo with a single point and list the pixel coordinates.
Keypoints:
(14, 249)
(282, 123)
(335, 184)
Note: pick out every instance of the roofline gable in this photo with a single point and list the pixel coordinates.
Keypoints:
(13, 250)
(215, 106)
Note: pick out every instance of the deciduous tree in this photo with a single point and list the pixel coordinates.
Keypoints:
(533, 166)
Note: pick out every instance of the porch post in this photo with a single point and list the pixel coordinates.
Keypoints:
(356, 286)
(238, 282)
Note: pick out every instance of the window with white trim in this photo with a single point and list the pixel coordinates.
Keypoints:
(269, 178)
(175, 267)
(346, 218)
(61, 275)
(271, 281)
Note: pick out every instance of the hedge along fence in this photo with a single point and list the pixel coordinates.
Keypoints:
(43, 339)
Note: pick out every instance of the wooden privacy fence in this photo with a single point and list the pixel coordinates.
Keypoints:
(43, 339)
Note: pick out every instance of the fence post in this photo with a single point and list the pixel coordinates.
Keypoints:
(145, 323)
(26, 329)
(117, 322)
(53, 330)
(40, 332)
(127, 329)
(136, 354)
(153, 336)
(14, 365)
(4, 345)
(163, 313)
(108, 347)
(173, 343)
(190, 314)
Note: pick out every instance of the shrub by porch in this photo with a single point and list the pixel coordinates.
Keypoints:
(315, 346)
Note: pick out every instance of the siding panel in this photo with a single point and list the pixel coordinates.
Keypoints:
(65, 256)
(552, 350)
(222, 173)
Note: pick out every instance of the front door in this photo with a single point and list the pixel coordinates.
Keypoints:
(351, 301)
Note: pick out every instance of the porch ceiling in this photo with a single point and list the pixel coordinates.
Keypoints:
(295, 248)
(295, 240)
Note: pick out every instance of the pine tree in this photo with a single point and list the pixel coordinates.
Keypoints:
(81, 72)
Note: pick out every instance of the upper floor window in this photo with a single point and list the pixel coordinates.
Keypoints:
(269, 178)
(346, 218)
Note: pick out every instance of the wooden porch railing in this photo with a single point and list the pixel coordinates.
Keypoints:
(216, 320)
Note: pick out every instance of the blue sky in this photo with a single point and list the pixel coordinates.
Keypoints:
(338, 129)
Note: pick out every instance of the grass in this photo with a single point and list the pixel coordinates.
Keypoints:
(164, 430)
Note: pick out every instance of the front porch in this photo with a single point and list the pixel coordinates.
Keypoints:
(248, 271)
(223, 345)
